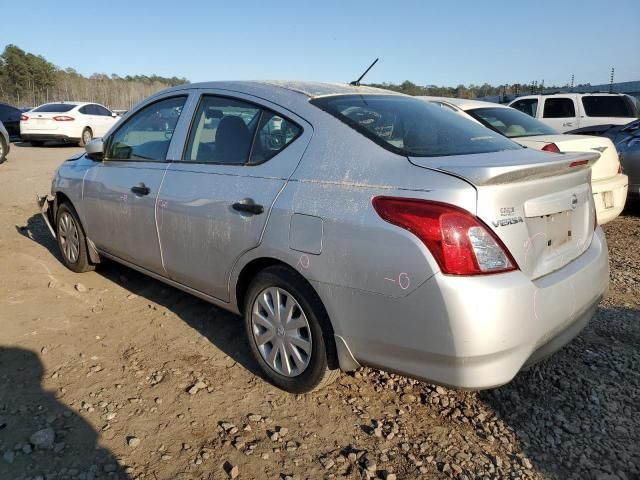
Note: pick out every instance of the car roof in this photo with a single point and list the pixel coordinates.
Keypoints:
(308, 89)
(566, 94)
(464, 103)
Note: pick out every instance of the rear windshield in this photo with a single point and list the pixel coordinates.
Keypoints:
(54, 107)
(609, 106)
(410, 126)
(510, 122)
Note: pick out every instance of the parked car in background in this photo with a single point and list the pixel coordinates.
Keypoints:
(568, 111)
(379, 229)
(608, 183)
(4, 143)
(627, 140)
(74, 122)
(10, 118)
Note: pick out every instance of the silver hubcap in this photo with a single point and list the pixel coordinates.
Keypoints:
(87, 136)
(281, 331)
(69, 241)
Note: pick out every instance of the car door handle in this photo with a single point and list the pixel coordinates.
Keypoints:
(141, 189)
(567, 124)
(247, 205)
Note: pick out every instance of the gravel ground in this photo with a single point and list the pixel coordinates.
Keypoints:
(111, 374)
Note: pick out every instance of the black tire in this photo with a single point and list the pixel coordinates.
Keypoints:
(317, 373)
(36, 143)
(69, 230)
(3, 150)
(86, 137)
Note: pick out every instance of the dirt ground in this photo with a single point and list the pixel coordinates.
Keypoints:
(96, 372)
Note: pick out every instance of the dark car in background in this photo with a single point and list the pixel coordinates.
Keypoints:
(4, 143)
(10, 118)
(626, 138)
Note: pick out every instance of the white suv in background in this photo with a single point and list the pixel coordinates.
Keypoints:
(75, 122)
(568, 111)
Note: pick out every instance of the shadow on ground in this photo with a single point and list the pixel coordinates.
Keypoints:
(222, 328)
(39, 436)
(576, 414)
(47, 144)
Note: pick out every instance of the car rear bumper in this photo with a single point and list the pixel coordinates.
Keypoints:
(610, 195)
(48, 137)
(471, 332)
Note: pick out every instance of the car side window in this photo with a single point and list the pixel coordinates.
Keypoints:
(84, 110)
(222, 131)
(146, 135)
(274, 134)
(100, 110)
(559, 108)
(234, 132)
(528, 106)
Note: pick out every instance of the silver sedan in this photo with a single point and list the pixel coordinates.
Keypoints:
(347, 225)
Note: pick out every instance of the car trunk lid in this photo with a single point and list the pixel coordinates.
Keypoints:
(607, 166)
(539, 204)
(42, 120)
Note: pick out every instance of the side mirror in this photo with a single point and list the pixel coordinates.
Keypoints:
(114, 114)
(94, 149)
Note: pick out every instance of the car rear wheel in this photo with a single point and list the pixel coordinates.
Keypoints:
(86, 137)
(283, 320)
(71, 240)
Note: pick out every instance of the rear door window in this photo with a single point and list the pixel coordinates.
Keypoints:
(234, 132)
(559, 108)
(528, 106)
(102, 111)
(608, 106)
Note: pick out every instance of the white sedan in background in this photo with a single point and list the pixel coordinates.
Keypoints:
(608, 184)
(74, 122)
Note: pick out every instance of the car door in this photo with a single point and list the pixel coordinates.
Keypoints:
(120, 192)
(214, 203)
(560, 113)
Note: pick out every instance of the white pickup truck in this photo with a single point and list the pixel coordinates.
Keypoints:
(568, 111)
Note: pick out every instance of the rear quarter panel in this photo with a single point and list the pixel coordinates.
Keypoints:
(340, 173)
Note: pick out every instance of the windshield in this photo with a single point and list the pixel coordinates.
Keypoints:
(55, 107)
(410, 126)
(510, 122)
(609, 106)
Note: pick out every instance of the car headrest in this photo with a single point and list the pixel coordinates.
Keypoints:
(233, 140)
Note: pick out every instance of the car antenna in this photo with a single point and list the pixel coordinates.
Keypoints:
(356, 83)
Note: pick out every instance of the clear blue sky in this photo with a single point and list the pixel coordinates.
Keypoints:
(442, 43)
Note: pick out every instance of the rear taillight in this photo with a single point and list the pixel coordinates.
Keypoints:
(551, 147)
(63, 118)
(23, 118)
(459, 241)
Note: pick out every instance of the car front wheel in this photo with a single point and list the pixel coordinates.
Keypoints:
(283, 320)
(71, 240)
(3, 150)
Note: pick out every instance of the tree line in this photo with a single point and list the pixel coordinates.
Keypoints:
(28, 80)
(472, 91)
